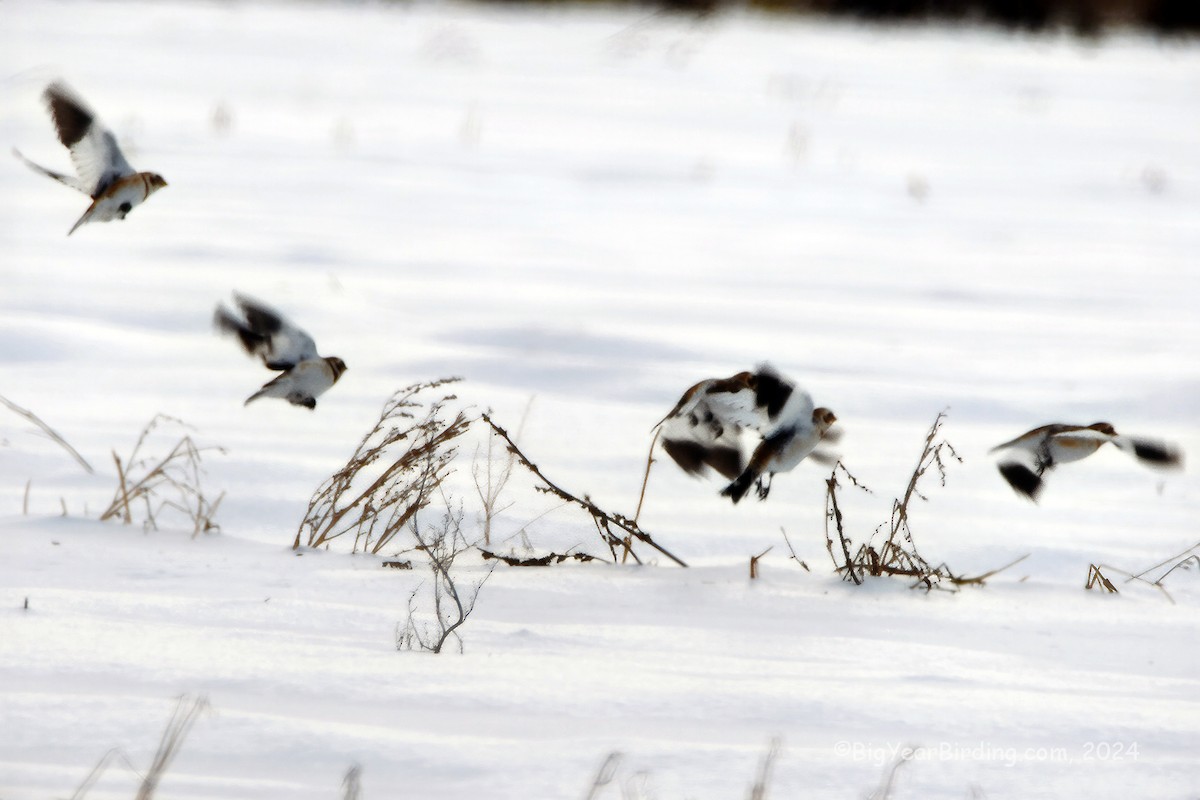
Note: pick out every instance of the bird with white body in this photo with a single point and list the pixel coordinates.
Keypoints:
(282, 346)
(103, 173)
(1034, 453)
(706, 429)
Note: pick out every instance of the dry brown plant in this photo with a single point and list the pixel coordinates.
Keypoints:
(762, 781)
(50, 432)
(449, 602)
(187, 710)
(754, 562)
(173, 481)
(1183, 561)
(1096, 579)
(618, 532)
(897, 555)
(395, 471)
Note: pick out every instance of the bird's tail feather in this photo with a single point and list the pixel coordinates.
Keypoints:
(738, 488)
(86, 216)
(226, 322)
(66, 180)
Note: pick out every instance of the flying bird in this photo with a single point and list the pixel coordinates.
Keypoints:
(103, 173)
(1031, 455)
(707, 427)
(266, 334)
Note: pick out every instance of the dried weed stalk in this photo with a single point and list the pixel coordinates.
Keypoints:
(29, 415)
(450, 603)
(617, 531)
(1096, 579)
(173, 481)
(898, 554)
(352, 783)
(758, 790)
(187, 710)
(536, 561)
(493, 476)
(1183, 561)
(394, 473)
(888, 781)
(605, 775)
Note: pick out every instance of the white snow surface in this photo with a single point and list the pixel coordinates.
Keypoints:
(583, 212)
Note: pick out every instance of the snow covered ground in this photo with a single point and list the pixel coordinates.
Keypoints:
(583, 212)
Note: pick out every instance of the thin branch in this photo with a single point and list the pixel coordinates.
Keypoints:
(602, 518)
(29, 415)
(792, 550)
(758, 791)
(1175, 558)
(172, 739)
(754, 562)
(604, 775)
(646, 477)
(539, 561)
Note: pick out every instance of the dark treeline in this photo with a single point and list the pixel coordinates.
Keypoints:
(1083, 16)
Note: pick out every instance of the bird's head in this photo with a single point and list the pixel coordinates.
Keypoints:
(823, 418)
(1103, 427)
(336, 366)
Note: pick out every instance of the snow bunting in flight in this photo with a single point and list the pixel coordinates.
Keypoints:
(705, 428)
(104, 174)
(1029, 456)
(266, 334)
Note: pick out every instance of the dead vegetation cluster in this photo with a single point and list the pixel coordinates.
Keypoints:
(396, 471)
(148, 484)
(891, 549)
(1153, 576)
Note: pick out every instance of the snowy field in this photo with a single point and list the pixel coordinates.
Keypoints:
(582, 213)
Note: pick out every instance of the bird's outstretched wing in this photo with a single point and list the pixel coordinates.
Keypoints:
(266, 334)
(94, 151)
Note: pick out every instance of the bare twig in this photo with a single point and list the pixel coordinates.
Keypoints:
(834, 513)
(177, 474)
(536, 561)
(169, 744)
(792, 550)
(758, 791)
(186, 712)
(884, 790)
(351, 784)
(1179, 561)
(754, 562)
(1096, 578)
(604, 775)
(493, 483)
(898, 556)
(98, 770)
(392, 474)
(452, 606)
(605, 522)
(646, 476)
(29, 415)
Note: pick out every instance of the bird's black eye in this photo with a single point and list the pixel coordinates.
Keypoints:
(125, 208)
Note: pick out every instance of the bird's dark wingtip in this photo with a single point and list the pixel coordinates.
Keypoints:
(1157, 453)
(1022, 479)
